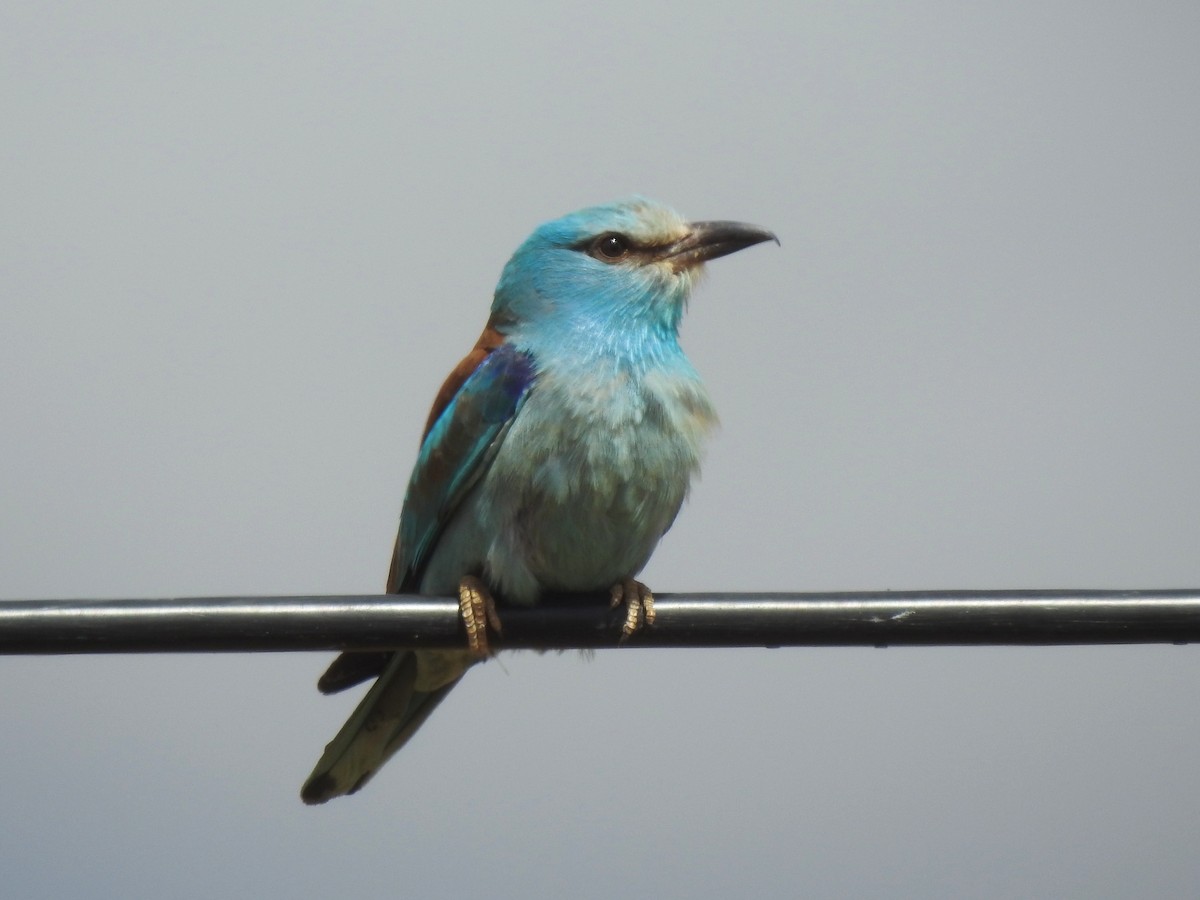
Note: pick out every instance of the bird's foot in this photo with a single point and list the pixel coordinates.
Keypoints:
(478, 611)
(638, 602)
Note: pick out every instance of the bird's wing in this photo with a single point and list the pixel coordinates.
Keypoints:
(459, 444)
(466, 426)
(431, 500)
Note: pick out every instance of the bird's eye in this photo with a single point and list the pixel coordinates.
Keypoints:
(610, 247)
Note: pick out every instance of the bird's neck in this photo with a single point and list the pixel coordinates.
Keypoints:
(634, 345)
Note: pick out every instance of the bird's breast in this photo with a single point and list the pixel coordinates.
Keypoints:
(592, 473)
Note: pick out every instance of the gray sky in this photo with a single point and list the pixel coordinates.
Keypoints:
(243, 243)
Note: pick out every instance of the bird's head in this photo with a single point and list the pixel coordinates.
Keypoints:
(608, 270)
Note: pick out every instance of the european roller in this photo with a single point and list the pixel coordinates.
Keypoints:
(555, 457)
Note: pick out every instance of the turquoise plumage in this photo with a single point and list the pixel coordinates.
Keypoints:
(557, 453)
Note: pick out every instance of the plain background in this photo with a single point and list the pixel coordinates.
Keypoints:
(243, 243)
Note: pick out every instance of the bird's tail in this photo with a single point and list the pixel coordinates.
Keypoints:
(387, 717)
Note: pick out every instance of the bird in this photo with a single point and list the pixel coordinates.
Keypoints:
(555, 457)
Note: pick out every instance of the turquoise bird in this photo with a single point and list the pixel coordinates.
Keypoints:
(555, 457)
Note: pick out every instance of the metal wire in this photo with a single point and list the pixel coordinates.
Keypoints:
(362, 622)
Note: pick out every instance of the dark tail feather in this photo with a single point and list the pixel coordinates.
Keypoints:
(382, 723)
(350, 669)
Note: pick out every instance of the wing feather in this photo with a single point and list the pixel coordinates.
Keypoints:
(460, 443)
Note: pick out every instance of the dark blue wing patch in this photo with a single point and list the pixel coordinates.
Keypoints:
(456, 453)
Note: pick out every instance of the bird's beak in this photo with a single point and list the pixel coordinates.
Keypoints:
(708, 240)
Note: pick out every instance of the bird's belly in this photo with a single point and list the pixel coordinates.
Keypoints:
(587, 481)
(604, 528)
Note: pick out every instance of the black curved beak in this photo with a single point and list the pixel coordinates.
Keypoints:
(709, 240)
